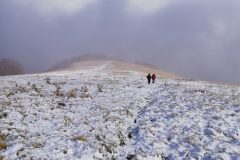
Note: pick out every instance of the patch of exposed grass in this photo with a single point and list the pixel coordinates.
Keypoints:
(3, 145)
(80, 138)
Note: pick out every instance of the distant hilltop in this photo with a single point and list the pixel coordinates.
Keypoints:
(10, 67)
(88, 57)
(108, 64)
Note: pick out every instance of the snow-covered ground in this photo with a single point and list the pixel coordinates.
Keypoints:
(94, 114)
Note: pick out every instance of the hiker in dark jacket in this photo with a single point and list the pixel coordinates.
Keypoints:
(149, 77)
(153, 78)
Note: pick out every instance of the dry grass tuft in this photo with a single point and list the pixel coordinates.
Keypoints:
(5, 103)
(38, 143)
(20, 88)
(2, 144)
(86, 95)
(10, 94)
(67, 120)
(72, 93)
(2, 137)
(80, 138)
(34, 87)
(129, 113)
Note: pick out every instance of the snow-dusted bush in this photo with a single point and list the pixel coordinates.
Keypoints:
(72, 93)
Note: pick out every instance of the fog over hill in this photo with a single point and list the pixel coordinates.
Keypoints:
(87, 57)
(10, 67)
(92, 57)
(197, 39)
(111, 64)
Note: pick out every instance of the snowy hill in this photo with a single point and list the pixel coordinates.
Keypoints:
(99, 112)
(113, 66)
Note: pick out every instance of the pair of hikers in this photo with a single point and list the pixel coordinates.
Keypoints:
(151, 77)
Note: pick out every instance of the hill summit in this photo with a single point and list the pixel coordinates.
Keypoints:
(108, 64)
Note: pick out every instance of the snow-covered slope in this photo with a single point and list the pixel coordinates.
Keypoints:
(97, 114)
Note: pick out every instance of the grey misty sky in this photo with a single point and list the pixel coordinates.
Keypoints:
(196, 38)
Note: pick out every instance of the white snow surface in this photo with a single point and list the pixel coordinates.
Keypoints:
(117, 117)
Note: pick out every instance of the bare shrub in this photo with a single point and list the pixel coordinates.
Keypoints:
(99, 88)
(48, 80)
(58, 91)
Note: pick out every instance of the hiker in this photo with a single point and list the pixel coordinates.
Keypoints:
(153, 78)
(149, 77)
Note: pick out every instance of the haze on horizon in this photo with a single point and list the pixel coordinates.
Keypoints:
(195, 38)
